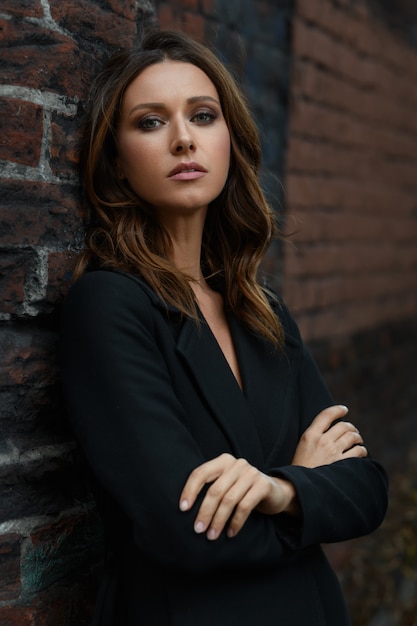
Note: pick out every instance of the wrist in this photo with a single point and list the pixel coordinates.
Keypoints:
(292, 505)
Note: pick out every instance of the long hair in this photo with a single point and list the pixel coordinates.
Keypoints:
(123, 231)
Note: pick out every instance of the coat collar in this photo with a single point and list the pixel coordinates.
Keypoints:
(211, 373)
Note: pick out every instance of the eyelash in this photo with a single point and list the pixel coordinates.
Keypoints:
(142, 124)
(209, 114)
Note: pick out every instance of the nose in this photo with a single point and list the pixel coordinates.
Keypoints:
(182, 140)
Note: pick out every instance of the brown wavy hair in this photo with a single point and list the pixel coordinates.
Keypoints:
(124, 233)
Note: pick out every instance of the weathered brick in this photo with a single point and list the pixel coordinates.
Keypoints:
(21, 130)
(39, 58)
(209, 7)
(189, 4)
(91, 21)
(60, 268)
(364, 165)
(13, 270)
(10, 566)
(193, 25)
(166, 16)
(28, 356)
(40, 479)
(60, 548)
(22, 8)
(125, 8)
(65, 136)
(65, 603)
(37, 214)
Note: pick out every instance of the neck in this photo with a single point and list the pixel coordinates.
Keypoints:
(186, 237)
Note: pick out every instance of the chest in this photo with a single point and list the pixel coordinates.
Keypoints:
(256, 417)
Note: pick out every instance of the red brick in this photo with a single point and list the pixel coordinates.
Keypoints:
(60, 268)
(321, 157)
(355, 27)
(376, 106)
(323, 192)
(209, 7)
(10, 566)
(38, 214)
(18, 616)
(124, 8)
(65, 135)
(336, 56)
(189, 4)
(22, 8)
(194, 25)
(318, 121)
(90, 21)
(21, 130)
(37, 64)
(166, 17)
(13, 269)
(39, 58)
(26, 357)
(368, 72)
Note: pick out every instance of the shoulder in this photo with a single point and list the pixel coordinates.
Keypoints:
(108, 294)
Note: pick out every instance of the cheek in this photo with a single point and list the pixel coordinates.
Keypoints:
(135, 157)
(224, 150)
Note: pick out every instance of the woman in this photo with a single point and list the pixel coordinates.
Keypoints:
(220, 460)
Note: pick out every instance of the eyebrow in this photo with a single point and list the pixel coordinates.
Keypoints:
(161, 105)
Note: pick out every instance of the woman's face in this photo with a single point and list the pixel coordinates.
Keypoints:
(173, 142)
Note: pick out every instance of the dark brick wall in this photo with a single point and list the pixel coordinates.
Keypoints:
(351, 274)
(49, 533)
(351, 271)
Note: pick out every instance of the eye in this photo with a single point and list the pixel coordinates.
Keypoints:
(149, 123)
(204, 117)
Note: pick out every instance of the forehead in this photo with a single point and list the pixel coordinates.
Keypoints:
(168, 80)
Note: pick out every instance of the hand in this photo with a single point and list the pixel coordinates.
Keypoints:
(324, 442)
(237, 488)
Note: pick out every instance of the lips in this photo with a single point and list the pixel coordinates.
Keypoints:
(187, 171)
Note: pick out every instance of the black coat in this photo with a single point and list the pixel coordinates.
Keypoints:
(151, 397)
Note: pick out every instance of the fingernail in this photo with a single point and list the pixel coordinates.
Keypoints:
(199, 527)
(211, 534)
(230, 532)
(184, 505)
(342, 406)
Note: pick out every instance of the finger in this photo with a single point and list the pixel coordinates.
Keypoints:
(324, 420)
(356, 451)
(200, 476)
(246, 505)
(340, 429)
(349, 439)
(222, 497)
(236, 502)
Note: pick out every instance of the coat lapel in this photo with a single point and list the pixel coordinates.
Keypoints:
(257, 423)
(212, 374)
(270, 382)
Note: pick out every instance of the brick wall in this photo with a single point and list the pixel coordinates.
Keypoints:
(351, 172)
(350, 273)
(48, 540)
(350, 181)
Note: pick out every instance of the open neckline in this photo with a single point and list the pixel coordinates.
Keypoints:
(240, 383)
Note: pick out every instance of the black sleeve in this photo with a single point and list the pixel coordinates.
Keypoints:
(338, 501)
